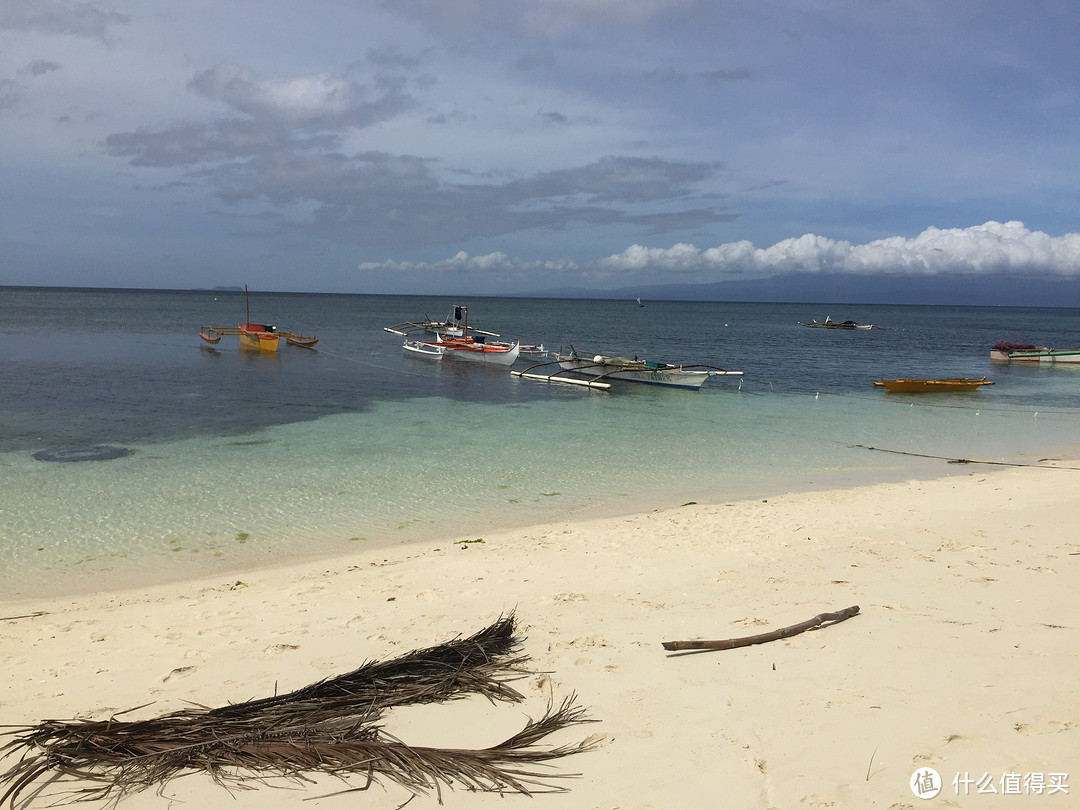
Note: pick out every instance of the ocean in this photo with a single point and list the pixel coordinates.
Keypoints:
(232, 459)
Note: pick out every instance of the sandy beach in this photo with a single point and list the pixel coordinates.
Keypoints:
(962, 658)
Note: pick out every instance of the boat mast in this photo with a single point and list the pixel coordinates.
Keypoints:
(247, 308)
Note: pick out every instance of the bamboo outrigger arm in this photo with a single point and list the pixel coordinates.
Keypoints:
(558, 376)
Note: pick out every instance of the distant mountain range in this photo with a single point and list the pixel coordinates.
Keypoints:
(849, 288)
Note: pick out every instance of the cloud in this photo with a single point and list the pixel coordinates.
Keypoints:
(194, 144)
(285, 152)
(497, 262)
(38, 67)
(550, 20)
(988, 249)
(58, 17)
(991, 248)
(312, 102)
(621, 179)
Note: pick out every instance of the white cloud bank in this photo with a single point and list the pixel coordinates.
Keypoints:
(988, 249)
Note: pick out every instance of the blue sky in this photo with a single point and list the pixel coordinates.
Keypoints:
(496, 146)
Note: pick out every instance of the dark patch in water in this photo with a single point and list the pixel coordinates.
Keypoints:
(101, 452)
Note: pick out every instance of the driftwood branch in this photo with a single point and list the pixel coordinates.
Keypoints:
(783, 632)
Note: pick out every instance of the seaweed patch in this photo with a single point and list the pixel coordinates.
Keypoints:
(102, 452)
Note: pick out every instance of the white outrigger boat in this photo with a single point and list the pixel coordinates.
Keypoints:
(597, 370)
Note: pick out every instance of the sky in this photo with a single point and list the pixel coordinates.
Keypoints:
(506, 146)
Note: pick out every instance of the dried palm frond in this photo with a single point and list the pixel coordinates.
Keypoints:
(480, 664)
(327, 727)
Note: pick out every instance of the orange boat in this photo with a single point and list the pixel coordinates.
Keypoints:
(256, 337)
(910, 386)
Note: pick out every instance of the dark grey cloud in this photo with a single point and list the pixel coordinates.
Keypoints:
(194, 144)
(284, 151)
(10, 94)
(724, 76)
(536, 61)
(665, 76)
(390, 56)
(622, 179)
(655, 224)
(39, 67)
(57, 17)
(382, 200)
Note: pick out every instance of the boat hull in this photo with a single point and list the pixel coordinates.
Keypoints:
(951, 384)
(1036, 355)
(470, 351)
(417, 348)
(828, 323)
(255, 338)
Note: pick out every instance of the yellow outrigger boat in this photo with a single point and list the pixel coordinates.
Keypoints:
(256, 337)
(910, 386)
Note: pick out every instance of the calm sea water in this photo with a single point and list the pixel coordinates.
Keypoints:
(238, 459)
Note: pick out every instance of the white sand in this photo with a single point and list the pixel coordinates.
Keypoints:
(962, 659)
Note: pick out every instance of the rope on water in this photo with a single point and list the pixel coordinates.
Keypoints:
(950, 460)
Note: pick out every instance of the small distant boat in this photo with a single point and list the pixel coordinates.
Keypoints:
(597, 370)
(829, 323)
(1005, 352)
(910, 386)
(639, 303)
(257, 337)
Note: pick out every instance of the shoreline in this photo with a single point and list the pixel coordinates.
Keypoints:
(86, 574)
(961, 659)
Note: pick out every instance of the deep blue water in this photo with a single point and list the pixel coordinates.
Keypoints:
(94, 367)
(308, 451)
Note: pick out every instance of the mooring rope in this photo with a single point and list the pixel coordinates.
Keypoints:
(968, 460)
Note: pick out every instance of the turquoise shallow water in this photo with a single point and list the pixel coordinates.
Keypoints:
(238, 460)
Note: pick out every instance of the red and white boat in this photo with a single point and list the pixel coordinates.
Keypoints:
(477, 350)
(459, 344)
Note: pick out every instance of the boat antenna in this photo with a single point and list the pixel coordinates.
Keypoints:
(247, 307)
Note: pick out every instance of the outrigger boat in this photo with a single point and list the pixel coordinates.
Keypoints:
(461, 347)
(1005, 352)
(454, 325)
(829, 323)
(596, 371)
(910, 386)
(258, 337)
(475, 350)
